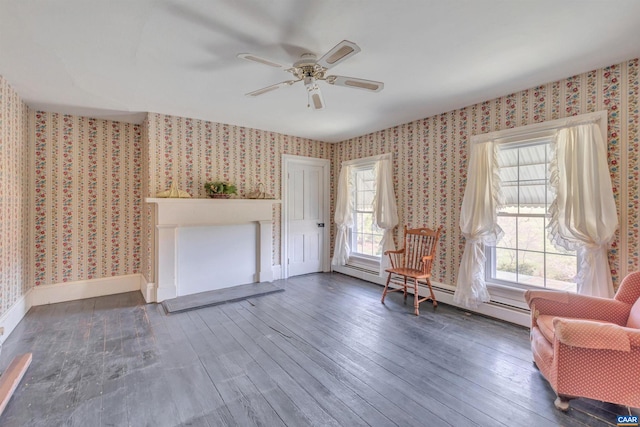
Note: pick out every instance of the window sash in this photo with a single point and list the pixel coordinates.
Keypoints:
(530, 162)
(359, 230)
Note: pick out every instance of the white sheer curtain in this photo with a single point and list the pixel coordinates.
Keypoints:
(343, 217)
(478, 223)
(384, 207)
(583, 214)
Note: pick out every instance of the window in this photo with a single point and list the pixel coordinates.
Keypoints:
(524, 256)
(360, 241)
(365, 234)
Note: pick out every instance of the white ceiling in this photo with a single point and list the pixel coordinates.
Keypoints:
(117, 59)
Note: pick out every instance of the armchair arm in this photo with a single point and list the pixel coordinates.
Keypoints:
(426, 264)
(398, 251)
(394, 257)
(567, 304)
(595, 335)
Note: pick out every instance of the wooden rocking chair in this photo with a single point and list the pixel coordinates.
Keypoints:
(414, 261)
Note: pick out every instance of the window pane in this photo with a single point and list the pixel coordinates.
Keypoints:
(359, 243)
(531, 268)
(532, 194)
(357, 223)
(368, 222)
(525, 255)
(506, 264)
(508, 225)
(364, 238)
(531, 210)
(377, 239)
(531, 233)
(367, 200)
(361, 201)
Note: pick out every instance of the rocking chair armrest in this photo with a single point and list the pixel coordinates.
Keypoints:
(399, 251)
(426, 261)
(394, 257)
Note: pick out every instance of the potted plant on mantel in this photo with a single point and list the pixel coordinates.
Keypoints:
(220, 189)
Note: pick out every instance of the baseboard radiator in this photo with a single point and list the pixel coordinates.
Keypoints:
(496, 309)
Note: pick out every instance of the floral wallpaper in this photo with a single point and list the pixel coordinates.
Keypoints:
(86, 198)
(72, 188)
(430, 156)
(192, 152)
(14, 202)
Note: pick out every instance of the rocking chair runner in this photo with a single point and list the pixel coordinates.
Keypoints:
(414, 261)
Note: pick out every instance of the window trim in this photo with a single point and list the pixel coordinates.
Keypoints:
(361, 260)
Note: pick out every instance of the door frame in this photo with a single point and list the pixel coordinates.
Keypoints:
(287, 161)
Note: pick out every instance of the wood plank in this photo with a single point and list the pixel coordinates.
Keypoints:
(326, 395)
(11, 377)
(269, 372)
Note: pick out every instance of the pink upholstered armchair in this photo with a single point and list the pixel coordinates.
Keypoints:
(588, 346)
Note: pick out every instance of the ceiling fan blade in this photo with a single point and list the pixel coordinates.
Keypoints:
(370, 85)
(342, 51)
(256, 58)
(271, 88)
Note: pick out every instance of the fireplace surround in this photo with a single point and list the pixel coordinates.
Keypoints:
(184, 227)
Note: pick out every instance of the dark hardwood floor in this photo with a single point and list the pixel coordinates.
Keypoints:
(324, 352)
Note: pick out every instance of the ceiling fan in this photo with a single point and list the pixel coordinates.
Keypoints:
(309, 70)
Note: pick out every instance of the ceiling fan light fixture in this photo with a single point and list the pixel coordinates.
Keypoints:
(315, 96)
(316, 101)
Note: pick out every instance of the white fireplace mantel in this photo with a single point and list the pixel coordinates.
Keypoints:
(170, 215)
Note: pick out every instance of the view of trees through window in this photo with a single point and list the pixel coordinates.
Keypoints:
(524, 255)
(365, 235)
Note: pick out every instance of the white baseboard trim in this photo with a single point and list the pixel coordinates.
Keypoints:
(444, 293)
(10, 319)
(81, 289)
(68, 291)
(147, 289)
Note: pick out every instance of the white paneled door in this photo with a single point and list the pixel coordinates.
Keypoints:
(305, 217)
